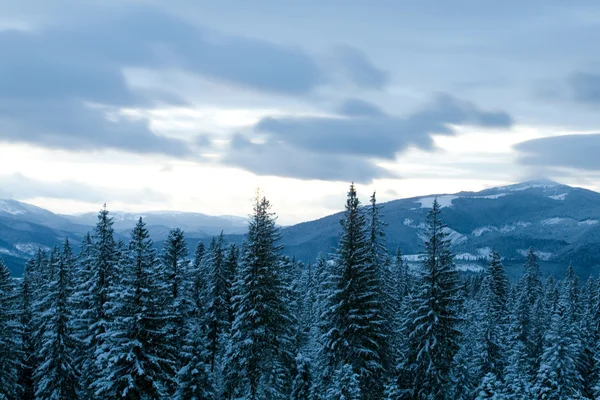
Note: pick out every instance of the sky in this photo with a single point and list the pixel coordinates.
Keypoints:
(193, 105)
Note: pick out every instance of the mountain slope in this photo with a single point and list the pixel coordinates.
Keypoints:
(561, 222)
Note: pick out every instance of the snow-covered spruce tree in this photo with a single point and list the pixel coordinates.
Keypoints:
(572, 288)
(195, 380)
(494, 322)
(302, 386)
(198, 277)
(177, 302)
(135, 369)
(262, 336)
(345, 385)
(231, 265)
(557, 376)
(388, 306)
(10, 329)
(434, 323)
(103, 260)
(586, 363)
(352, 315)
(28, 362)
(82, 302)
(219, 282)
(490, 388)
(56, 377)
(466, 372)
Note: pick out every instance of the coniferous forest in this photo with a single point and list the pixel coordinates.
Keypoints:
(122, 320)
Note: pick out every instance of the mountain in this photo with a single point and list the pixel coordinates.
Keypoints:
(196, 225)
(25, 228)
(561, 222)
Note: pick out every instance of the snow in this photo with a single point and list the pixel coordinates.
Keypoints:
(588, 222)
(554, 221)
(455, 237)
(444, 201)
(542, 183)
(484, 252)
(559, 196)
(491, 196)
(413, 257)
(411, 224)
(8, 206)
(30, 248)
(469, 267)
(480, 231)
(542, 255)
(510, 228)
(466, 257)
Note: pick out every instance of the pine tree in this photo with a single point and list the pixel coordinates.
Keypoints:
(56, 377)
(354, 329)
(261, 339)
(434, 333)
(10, 345)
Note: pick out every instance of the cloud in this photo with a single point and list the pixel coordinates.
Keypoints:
(569, 151)
(359, 108)
(326, 147)
(76, 127)
(585, 87)
(50, 75)
(20, 187)
(354, 65)
(283, 160)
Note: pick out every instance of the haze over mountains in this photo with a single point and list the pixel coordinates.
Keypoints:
(561, 222)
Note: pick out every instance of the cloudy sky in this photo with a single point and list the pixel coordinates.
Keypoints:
(192, 105)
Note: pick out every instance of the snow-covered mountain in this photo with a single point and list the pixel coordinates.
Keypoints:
(561, 222)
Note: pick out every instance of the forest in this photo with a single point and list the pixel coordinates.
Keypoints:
(124, 320)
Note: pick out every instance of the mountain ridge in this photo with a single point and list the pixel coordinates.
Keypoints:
(561, 222)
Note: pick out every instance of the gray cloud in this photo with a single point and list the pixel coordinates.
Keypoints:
(283, 160)
(359, 108)
(585, 87)
(379, 136)
(344, 148)
(354, 66)
(20, 187)
(570, 151)
(48, 76)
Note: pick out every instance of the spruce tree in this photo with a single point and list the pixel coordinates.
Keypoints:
(103, 261)
(10, 343)
(177, 301)
(434, 325)
(302, 386)
(354, 330)
(557, 376)
(28, 362)
(494, 322)
(56, 377)
(261, 339)
(218, 297)
(135, 368)
(346, 384)
(490, 388)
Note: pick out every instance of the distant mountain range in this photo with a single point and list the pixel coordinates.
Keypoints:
(561, 222)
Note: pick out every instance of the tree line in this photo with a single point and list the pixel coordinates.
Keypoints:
(121, 320)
